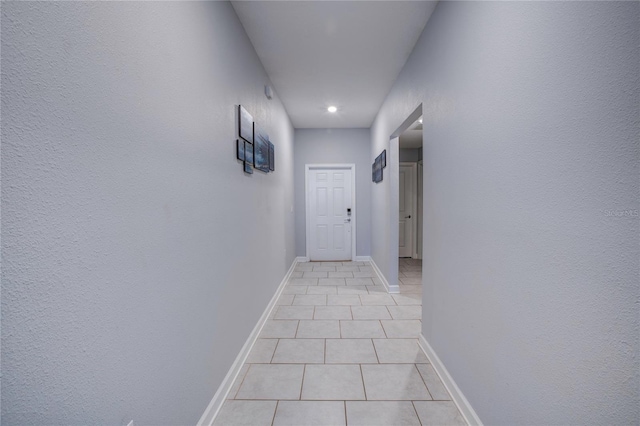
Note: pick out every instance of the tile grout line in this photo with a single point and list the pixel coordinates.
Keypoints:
(364, 388)
(423, 380)
(324, 359)
(274, 352)
(295, 336)
(390, 314)
(242, 382)
(383, 330)
(274, 412)
(416, 411)
(304, 373)
(375, 351)
(346, 422)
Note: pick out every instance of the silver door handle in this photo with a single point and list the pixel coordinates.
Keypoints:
(347, 220)
(408, 217)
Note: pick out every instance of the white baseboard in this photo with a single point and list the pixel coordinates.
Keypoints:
(221, 394)
(302, 259)
(390, 288)
(458, 398)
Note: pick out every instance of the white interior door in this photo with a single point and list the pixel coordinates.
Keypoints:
(329, 214)
(406, 219)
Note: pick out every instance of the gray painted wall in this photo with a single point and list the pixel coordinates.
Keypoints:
(531, 172)
(137, 255)
(409, 155)
(315, 146)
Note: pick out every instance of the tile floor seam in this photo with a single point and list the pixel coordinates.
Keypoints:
(416, 411)
(384, 400)
(383, 330)
(375, 350)
(364, 387)
(390, 314)
(423, 381)
(346, 422)
(274, 352)
(241, 382)
(304, 373)
(274, 413)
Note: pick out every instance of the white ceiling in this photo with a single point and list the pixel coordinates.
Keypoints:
(342, 53)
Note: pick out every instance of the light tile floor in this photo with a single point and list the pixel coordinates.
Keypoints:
(339, 350)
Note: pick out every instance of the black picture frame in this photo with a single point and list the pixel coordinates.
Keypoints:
(248, 153)
(384, 158)
(261, 150)
(245, 124)
(240, 149)
(272, 157)
(377, 166)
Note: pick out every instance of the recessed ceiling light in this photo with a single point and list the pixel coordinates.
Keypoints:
(332, 109)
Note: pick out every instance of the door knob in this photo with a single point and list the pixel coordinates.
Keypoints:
(408, 217)
(347, 220)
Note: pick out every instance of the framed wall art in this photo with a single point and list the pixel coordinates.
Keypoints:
(240, 149)
(245, 128)
(272, 157)
(261, 150)
(377, 166)
(253, 147)
(248, 157)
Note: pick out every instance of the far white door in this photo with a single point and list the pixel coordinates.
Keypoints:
(407, 203)
(330, 212)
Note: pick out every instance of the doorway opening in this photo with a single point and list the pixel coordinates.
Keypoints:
(410, 201)
(399, 266)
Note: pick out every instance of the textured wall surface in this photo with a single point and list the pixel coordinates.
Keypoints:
(322, 146)
(409, 155)
(137, 255)
(531, 185)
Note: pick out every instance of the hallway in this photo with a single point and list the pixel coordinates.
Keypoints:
(142, 251)
(339, 350)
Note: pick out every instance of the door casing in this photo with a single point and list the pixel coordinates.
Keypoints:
(394, 200)
(419, 211)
